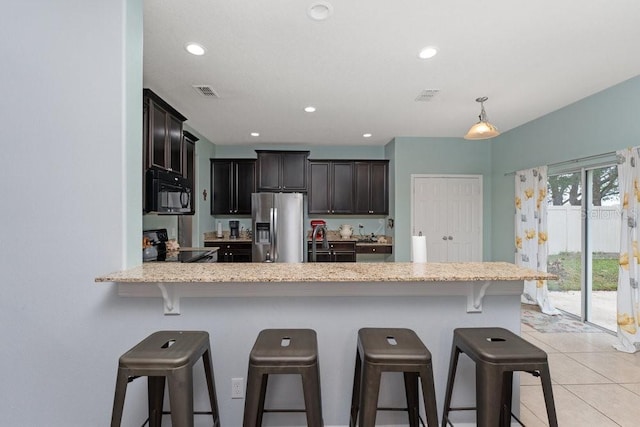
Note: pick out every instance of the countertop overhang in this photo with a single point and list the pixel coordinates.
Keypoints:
(172, 281)
(323, 272)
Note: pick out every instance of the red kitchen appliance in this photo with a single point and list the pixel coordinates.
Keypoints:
(315, 223)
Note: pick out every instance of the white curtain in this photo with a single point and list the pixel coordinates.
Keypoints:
(629, 272)
(531, 233)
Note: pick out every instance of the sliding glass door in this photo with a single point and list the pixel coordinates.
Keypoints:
(584, 241)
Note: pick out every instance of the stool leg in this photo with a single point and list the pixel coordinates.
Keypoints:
(118, 399)
(355, 396)
(411, 392)
(506, 399)
(453, 366)
(547, 389)
(488, 395)
(312, 396)
(369, 396)
(429, 396)
(211, 386)
(181, 397)
(155, 390)
(263, 395)
(252, 398)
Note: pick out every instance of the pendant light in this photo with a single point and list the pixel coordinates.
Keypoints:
(483, 129)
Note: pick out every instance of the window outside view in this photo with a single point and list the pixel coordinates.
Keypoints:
(584, 244)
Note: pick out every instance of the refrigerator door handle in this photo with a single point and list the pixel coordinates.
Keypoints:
(274, 238)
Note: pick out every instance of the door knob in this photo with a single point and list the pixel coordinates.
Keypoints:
(450, 238)
(444, 237)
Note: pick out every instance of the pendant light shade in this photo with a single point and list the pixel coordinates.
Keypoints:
(483, 129)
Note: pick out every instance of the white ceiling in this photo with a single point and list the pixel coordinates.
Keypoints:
(268, 60)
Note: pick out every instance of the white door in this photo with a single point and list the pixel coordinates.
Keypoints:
(447, 209)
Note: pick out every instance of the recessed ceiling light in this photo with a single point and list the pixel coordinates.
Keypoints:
(428, 52)
(194, 49)
(255, 134)
(309, 109)
(320, 10)
(366, 135)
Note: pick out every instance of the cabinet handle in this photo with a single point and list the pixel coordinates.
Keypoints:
(374, 249)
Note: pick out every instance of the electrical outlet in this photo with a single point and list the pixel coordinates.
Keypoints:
(237, 388)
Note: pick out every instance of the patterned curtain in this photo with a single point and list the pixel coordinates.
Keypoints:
(531, 233)
(629, 272)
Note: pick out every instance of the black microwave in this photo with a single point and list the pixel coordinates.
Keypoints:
(167, 193)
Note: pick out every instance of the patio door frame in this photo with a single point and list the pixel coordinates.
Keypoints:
(586, 276)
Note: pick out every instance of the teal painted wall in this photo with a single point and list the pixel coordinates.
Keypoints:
(368, 152)
(601, 123)
(414, 155)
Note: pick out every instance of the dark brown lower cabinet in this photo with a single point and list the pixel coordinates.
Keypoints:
(337, 252)
(232, 252)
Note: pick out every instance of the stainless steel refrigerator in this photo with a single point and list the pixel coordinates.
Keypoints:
(277, 222)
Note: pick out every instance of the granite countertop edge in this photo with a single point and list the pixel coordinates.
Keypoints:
(309, 273)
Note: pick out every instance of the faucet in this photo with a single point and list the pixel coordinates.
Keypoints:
(325, 242)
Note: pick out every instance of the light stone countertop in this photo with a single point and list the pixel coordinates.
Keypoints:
(323, 272)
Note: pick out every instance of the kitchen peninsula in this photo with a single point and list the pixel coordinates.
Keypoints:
(336, 299)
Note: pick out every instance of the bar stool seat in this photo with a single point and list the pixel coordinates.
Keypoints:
(391, 350)
(283, 351)
(170, 356)
(497, 353)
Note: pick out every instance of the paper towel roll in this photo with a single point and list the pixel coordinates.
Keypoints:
(419, 248)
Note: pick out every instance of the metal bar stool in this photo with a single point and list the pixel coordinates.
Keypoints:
(170, 356)
(283, 351)
(497, 353)
(391, 350)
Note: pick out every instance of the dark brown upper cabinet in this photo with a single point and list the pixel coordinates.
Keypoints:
(331, 187)
(162, 133)
(372, 187)
(282, 171)
(232, 181)
(189, 163)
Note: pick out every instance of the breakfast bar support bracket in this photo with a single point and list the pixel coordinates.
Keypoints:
(170, 298)
(475, 295)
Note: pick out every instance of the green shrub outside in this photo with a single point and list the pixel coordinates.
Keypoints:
(567, 265)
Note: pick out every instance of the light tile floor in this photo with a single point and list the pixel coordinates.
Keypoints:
(593, 384)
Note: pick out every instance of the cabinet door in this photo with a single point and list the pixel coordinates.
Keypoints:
(342, 188)
(238, 252)
(269, 170)
(339, 256)
(221, 199)
(245, 184)
(379, 188)
(294, 171)
(158, 136)
(174, 141)
(362, 188)
(319, 183)
(372, 187)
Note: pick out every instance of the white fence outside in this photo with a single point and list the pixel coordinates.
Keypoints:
(564, 224)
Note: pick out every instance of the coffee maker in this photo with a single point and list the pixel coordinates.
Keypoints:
(234, 227)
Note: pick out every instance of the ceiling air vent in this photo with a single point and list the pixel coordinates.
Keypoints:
(427, 95)
(206, 90)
